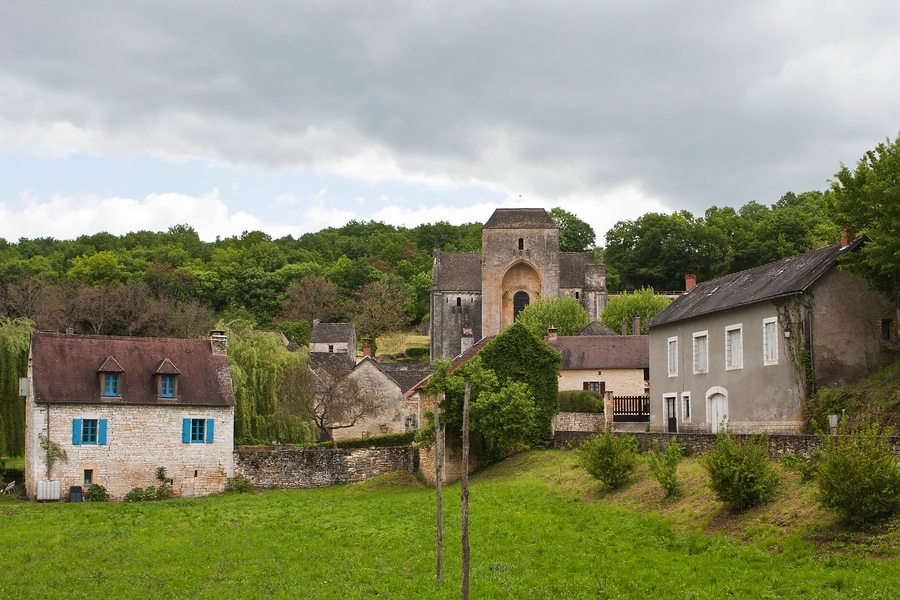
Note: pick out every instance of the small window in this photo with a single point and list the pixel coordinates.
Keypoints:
(686, 405)
(594, 386)
(167, 386)
(330, 347)
(770, 341)
(89, 431)
(521, 244)
(886, 326)
(110, 384)
(734, 349)
(673, 356)
(88, 476)
(458, 301)
(701, 352)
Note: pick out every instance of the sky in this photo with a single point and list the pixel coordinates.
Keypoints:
(288, 117)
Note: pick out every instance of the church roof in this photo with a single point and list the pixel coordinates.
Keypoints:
(457, 271)
(520, 218)
(596, 328)
(571, 268)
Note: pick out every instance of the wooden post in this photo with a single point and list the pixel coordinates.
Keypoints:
(465, 493)
(438, 482)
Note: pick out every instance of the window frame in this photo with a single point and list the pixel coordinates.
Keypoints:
(686, 406)
(672, 356)
(767, 358)
(191, 430)
(162, 386)
(89, 431)
(110, 385)
(730, 363)
(696, 337)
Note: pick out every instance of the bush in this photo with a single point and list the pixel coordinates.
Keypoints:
(417, 353)
(96, 493)
(609, 458)
(138, 494)
(376, 441)
(858, 477)
(740, 473)
(238, 485)
(664, 465)
(807, 464)
(580, 401)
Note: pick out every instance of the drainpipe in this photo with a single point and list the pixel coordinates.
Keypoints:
(48, 441)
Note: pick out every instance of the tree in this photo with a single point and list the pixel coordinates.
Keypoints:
(331, 399)
(15, 338)
(380, 308)
(565, 313)
(868, 200)
(574, 234)
(311, 297)
(643, 303)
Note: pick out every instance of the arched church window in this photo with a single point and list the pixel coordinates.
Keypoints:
(520, 301)
(521, 244)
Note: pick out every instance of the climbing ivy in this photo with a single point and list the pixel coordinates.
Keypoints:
(15, 337)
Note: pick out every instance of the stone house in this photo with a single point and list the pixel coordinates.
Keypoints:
(603, 363)
(337, 338)
(476, 295)
(120, 407)
(736, 350)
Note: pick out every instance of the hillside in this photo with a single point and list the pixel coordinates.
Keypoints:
(877, 396)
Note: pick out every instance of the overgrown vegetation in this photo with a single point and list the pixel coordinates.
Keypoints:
(858, 476)
(740, 473)
(876, 398)
(564, 313)
(643, 303)
(14, 343)
(376, 441)
(664, 463)
(96, 493)
(609, 458)
(580, 401)
(238, 485)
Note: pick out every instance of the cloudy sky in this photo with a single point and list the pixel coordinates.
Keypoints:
(292, 116)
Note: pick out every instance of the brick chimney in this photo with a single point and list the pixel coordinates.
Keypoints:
(367, 347)
(467, 340)
(848, 234)
(635, 325)
(551, 334)
(690, 282)
(219, 342)
(624, 327)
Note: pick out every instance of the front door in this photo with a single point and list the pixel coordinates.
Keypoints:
(672, 414)
(717, 416)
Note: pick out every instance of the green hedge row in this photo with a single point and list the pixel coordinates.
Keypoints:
(376, 441)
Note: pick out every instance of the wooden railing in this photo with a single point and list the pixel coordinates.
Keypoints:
(631, 409)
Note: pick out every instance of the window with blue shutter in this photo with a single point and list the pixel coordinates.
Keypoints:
(210, 423)
(89, 432)
(76, 432)
(185, 431)
(197, 431)
(101, 432)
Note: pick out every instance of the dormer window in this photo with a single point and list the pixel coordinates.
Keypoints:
(110, 384)
(167, 379)
(110, 373)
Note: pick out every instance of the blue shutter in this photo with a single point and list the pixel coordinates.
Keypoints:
(185, 431)
(76, 432)
(101, 435)
(209, 430)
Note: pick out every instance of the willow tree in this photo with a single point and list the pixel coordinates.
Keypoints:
(14, 340)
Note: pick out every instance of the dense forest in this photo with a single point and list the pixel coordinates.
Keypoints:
(377, 275)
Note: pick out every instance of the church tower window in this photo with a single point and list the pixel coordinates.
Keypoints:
(521, 244)
(520, 301)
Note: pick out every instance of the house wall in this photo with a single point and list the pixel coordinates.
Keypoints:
(139, 439)
(621, 382)
(451, 463)
(390, 417)
(337, 347)
(846, 330)
(758, 397)
(449, 320)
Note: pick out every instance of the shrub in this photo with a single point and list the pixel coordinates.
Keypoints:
(580, 401)
(858, 477)
(97, 493)
(238, 485)
(609, 458)
(807, 464)
(664, 465)
(376, 441)
(137, 495)
(417, 353)
(740, 473)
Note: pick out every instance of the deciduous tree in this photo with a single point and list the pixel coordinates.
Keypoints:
(643, 303)
(565, 313)
(574, 234)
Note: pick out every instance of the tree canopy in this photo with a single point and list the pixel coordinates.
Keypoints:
(643, 303)
(565, 313)
(574, 234)
(15, 339)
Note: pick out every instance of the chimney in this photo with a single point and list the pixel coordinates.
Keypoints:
(624, 327)
(848, 234)
(551, 334)
(690, 282)
(635, 325)
(70, 330)
(467, 341)
(219, 342)
(367, 347)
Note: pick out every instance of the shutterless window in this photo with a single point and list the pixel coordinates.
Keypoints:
(110, 384)
(734, 349)
(886, 326)
(770, 341)
(167, 386)
(521, 244)
(673, 356)
(701, 352)
(686, 405)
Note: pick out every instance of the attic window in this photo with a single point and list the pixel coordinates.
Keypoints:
(167, 379)
(110, 384)
(521, 244)
(110, 375)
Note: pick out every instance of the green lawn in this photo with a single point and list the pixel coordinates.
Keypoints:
(532, 535)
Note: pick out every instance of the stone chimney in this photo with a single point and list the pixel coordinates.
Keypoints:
(635, 325)
(219, 342)
(551, 334)
(367, 347)
(848, 234)
(70, 330)
(467, 341)
(690, 282)
(624, 327)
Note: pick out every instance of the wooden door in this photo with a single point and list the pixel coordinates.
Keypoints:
(672, 414)
(717, 417)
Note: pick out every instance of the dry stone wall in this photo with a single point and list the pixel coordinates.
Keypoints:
(318, 467)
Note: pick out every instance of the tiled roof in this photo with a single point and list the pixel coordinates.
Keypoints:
(323, 333)
(404, 374)
(457, 271)
(597, 328)
(782, 278)
(603, 351)
(66, 369)
(520, 218)
(336, 364)
(571, 268)
(455, 363)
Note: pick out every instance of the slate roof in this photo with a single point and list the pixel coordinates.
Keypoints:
(571, 268)
(323, 333)
(457, 272)
(520, 218)
(454, 364)
(404, 374)
(782, 278)
(597, 328)
(66, 369)
(603, 351)
(336, 364)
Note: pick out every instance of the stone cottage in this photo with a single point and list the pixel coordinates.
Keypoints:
(120, 407)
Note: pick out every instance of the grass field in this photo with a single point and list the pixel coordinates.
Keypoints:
(539, 529)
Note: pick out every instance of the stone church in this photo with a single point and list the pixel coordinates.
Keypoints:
(474, 295)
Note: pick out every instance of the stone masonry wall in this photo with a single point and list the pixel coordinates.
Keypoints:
(582, 422)
(318, 467)
(699, 443)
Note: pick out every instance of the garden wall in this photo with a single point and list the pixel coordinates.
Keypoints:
(700, 442)
(318, 467)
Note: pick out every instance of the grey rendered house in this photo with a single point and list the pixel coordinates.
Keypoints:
(734, 351)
